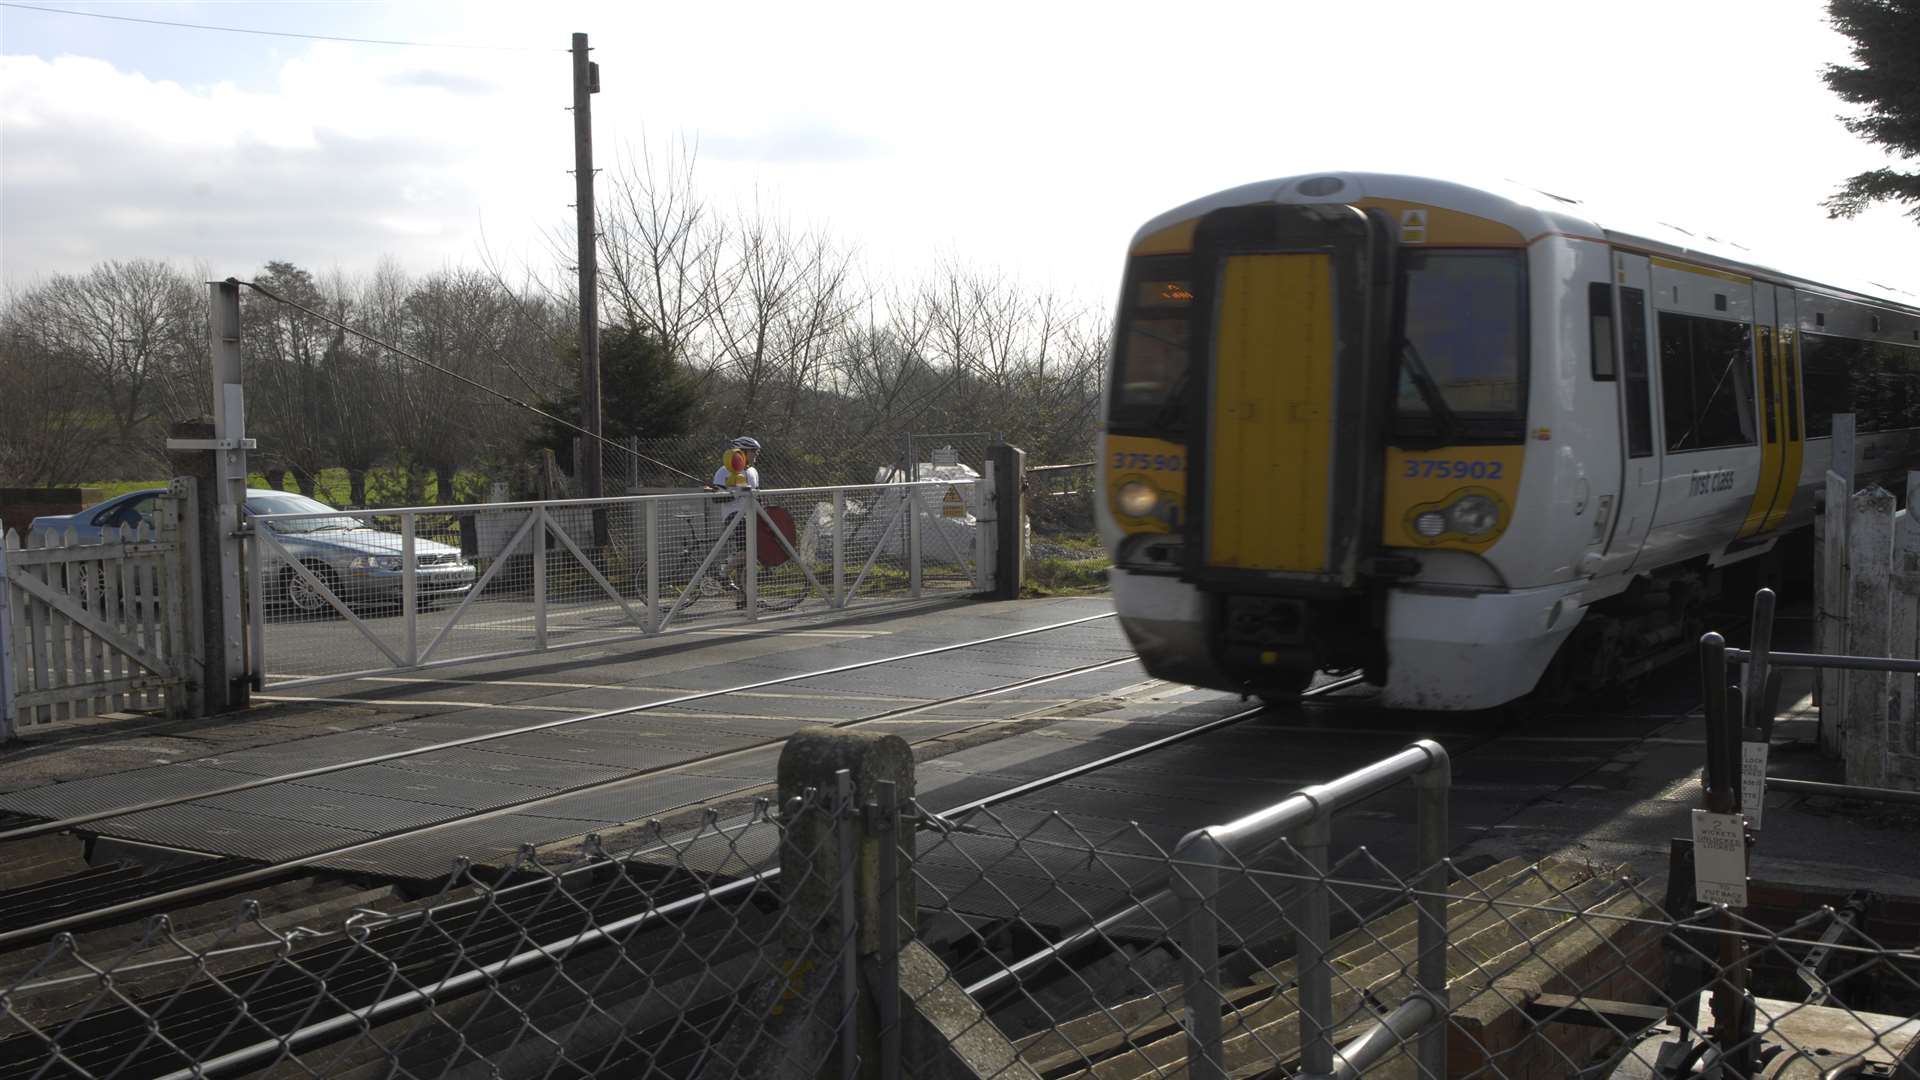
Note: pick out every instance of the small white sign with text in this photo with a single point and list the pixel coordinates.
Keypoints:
(1719, 859)
(1753, 781)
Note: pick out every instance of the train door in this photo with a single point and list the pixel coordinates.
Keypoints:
(1793, 442)
(1639, 451)
(1771, 420)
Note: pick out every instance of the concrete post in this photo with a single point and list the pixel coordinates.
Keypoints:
(212, 652)
(1010, 497)
(910, 1016)
(1864, 724)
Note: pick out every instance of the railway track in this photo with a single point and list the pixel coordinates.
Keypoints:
(510, 930)
(134, 902)
(399, 965)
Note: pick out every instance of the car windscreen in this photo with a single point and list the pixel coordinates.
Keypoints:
(300, 504)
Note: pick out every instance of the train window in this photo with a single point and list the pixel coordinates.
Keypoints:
(1463, 364)
(1633, 361)
(1829, 389)
(1600, 328)
(1150, 375)
(1706, 382)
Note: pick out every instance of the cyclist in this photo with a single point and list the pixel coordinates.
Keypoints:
(726, 479)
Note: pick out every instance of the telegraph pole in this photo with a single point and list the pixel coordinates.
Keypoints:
(586, 83)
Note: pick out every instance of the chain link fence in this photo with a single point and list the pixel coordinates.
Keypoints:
(848, 930)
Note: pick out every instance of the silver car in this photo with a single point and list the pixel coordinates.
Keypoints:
(358, 562)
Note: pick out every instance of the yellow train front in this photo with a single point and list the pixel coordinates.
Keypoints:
(1417, 429)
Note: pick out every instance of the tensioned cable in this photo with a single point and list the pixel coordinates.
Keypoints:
(272, 33)
(450, 373)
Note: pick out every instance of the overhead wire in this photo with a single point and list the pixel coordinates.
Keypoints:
(272, 33)
(475, 383)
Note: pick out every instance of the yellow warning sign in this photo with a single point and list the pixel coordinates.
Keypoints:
(952, 505)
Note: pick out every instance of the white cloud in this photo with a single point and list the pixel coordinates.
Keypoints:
(1031, 136)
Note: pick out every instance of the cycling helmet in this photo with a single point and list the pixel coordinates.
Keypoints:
(746, 442)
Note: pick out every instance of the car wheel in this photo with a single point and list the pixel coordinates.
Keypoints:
(302, 599)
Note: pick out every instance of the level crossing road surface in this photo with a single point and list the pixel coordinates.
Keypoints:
(1612, 782)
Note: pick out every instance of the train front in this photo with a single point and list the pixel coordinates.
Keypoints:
(1316, 435)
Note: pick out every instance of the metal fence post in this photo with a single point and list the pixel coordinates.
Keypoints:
(652, 514)
(410, 588)
(843, 826)
(540, 577)
(1196, 882)
(887, 917)
(1316, 981)
(839, 597)
(6, 651)
(913, 541)
(750, 522)
(1434, 785)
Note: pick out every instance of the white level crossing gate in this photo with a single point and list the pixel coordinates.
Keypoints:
(90, 625)
(361, 592)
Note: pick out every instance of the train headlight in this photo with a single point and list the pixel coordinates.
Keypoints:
(1430, 524)
(1137, 498)
(1473, 515)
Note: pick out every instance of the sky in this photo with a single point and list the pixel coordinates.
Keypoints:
(1031, 138)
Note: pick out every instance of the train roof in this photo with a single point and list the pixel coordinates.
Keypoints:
(1534, 214)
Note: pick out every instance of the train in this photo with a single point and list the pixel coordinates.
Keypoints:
(1469, 441)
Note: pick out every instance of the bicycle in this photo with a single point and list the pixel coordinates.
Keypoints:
(780, 585)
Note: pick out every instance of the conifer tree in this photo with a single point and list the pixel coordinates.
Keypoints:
(1886, 79)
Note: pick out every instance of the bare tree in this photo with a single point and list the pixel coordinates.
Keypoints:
(49, 431)
(137, 329)
(659, 247)
(287, 359)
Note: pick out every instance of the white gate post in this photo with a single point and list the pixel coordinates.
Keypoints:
(1870, 534)
(750, 572)
(839, 549)
(410, 587)
(6, 651)
(1904, 641)
(652, 513)
(230, 471)
(540, 577)
(1832, 631)
(914, 507)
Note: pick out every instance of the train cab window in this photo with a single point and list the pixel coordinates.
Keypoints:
(1600, 328)
(1150, 375)
(1706, 382)
(1462, 364)
(1633, 364)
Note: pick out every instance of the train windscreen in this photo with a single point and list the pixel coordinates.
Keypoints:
(1463, 359)
(1152, 356)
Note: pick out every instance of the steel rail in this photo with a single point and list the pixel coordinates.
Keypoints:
(63, 824)
(545, 953)
(141, 905)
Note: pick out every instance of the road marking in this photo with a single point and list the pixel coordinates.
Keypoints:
(419, 701)
(670, 690)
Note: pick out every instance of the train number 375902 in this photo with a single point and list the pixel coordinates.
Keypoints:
(1459, 469)
(1151, 462)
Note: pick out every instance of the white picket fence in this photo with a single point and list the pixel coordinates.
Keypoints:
(1869, 606)
(92, 628)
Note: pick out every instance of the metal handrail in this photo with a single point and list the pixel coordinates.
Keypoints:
(1305, 819)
